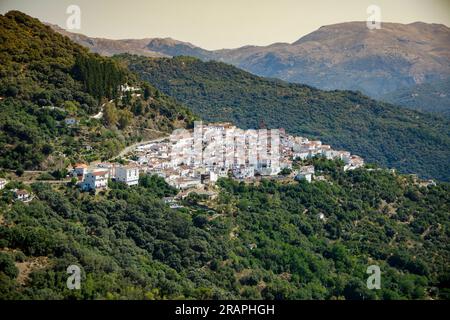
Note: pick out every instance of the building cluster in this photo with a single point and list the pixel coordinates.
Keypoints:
(125, 88)
(96, 177)
(302, 148)
(192, 158)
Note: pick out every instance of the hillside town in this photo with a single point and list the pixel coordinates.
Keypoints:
(191, 159)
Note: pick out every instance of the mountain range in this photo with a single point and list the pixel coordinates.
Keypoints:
(345, 56)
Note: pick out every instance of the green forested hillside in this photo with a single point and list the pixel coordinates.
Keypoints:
(45, 79)
(431, 97)
(265, 240)
(390, 136)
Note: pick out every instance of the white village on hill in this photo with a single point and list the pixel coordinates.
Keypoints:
(195, 159)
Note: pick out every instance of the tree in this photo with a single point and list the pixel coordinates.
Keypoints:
(147, 91)
(110, 114)
(20, 172)
(138, 108)
(285, 172)
(7, 265)
(70, 107)
(124, 118)
(47, 149)
(11, 91)
(200, 221)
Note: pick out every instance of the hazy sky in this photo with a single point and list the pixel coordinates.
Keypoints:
(214, 24)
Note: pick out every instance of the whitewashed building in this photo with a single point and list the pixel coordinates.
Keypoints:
(185, 183)
(128, 175)
(22, 195)
(2, 183)
(305, 173)
(111, 167)
(96, 180)
(71, 121)
(304, 176)
(353, 162)
(209, 177)
(126, 87)
(302, 155)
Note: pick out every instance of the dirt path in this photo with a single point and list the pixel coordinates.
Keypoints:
(46, 181)
(135, 145)
(100, 114)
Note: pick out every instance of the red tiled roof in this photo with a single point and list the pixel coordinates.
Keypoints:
(99, 173)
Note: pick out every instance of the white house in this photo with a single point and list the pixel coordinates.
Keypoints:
(126, 87)
(302, 155)
(96, 180)
(213, 177)
(305, 173)
(345, 156)
(330, 154)
(111, 167)
(22, 195)
(266, 167)
(353, 162)
(307, 169)
(304, 176)
(2, 183)
(128, 175)
(142, 160)
(71, 121)
(184, 170)
(209, 177)
(185, 183)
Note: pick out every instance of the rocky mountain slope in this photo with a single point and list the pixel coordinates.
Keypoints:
(341, 56)
(350, 56)
(107, 47)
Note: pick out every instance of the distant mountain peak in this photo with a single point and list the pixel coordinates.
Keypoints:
(169, 42)
(344, 55)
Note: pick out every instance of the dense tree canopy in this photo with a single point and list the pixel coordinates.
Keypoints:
(269, 240)
(101, 77)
